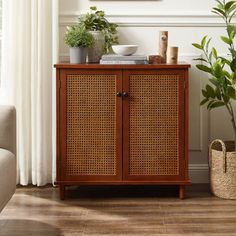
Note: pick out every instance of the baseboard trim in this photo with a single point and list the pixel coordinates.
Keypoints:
(199, 173)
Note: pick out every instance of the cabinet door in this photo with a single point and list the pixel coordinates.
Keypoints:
(154, 125)
(91, 125)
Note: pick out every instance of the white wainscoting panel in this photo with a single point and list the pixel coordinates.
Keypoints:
(198, 173)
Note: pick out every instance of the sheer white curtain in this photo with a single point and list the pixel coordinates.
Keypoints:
(29, 50)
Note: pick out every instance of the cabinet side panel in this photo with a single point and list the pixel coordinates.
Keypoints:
(58, 157)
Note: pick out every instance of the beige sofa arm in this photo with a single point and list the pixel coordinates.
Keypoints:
(8, 128)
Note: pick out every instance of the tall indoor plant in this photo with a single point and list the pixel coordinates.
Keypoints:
(79, 40)
(221, 92)
(104, 32)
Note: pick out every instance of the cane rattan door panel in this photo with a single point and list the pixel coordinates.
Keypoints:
(155, 118)
(91, 127)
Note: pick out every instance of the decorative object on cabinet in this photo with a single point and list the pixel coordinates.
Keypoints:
(124, 50)
(118, 59)
(221, 92)
(172, 55)
(163, 44)
(95, 20)
(154, 59)
(78, 39)
(95, 52)
(122, 125)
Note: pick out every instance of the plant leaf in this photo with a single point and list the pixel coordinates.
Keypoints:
(210, 91)
(226, 40)
(231, 29)
(196, 45)
(207, 44)
(93, 8)
(214, 53)
(204, 93)
(203, 42)
(224, 60)
(225, 98)
(216, 104)
(221, 12)
(233, 52)
(215, 81)
(218, 70)
(232, 15)
(218, 93)
(233, 78)
(204, 68)
(204, 101)
(229, 4)
(209, 104)
(227, 74)
(220, 4)
(232, 92)
(232, 8)
(200, 59)
(233, 65)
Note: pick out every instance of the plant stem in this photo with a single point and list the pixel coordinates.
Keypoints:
(231, 112)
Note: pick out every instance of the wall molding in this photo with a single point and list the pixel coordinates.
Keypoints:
(199, 173)
(153, 19)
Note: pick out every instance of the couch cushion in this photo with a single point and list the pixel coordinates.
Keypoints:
(7, 176)
(8, 128)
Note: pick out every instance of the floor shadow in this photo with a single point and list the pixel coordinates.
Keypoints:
(140, 191)
(121, 191)
(15, 227)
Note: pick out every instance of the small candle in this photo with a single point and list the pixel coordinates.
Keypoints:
(172, 55)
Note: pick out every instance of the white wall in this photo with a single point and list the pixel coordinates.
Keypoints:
(187, 21)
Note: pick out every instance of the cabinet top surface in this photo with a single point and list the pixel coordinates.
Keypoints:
(64, 65)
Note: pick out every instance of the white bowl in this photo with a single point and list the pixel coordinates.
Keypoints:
(124, 50)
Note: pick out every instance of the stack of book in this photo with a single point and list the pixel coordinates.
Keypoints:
(119, 59)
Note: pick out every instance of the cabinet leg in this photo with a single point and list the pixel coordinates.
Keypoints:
(62, 189)
(182, 191)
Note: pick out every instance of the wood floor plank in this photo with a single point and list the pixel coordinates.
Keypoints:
(118, 210)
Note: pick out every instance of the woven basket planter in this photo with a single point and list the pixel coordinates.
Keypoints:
(222, 166)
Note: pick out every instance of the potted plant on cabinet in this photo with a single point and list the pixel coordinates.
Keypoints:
(79, 39)
(221, 92)
(104, 33)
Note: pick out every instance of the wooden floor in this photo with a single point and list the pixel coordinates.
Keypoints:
(118, 210)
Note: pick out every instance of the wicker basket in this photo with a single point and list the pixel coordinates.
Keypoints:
(222, 166)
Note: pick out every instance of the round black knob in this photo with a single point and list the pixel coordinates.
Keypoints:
(125, 94)
(118, 94)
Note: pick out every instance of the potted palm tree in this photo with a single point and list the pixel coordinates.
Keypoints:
(221, 92)
(104, 33)
(79, 40)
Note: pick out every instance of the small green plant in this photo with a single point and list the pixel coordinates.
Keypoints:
(95, 21)
(222, 70)
(78, 36)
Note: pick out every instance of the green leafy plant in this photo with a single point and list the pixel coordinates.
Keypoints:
(222, 70)
(95, 21)
(78, 36)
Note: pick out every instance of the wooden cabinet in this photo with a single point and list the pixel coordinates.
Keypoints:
(122, 124)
